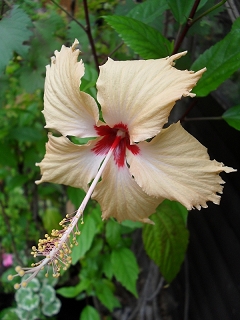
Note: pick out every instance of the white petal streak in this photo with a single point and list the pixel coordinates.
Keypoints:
(174, 165)
(120, 196)
(66, 108)
(69, 164)
(141, 94)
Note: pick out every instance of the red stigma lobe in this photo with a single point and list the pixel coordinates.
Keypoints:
(108, 138)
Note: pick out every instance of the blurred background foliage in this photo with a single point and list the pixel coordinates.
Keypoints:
(106, 264)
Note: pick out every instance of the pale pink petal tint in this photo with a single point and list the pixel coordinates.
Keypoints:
(131, 176)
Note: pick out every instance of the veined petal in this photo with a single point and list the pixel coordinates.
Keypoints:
(141, 93)
(120, 196)
(174, 165)
(69, 164)
(66, 108)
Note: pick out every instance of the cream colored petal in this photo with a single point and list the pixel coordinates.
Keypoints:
(120, 196)
(141, 94)
(69, 164)
(174, 165)
(66, 108)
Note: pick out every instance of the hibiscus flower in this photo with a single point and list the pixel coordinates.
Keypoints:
(136, 98)
(133, 163)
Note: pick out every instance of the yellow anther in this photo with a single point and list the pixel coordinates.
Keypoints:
(16, 286)
(21, 273)
(10, 277)
(24, 284)
(18, 268)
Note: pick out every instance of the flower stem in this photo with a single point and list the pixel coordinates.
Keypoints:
(209, 11)
(89, 34)
(70, 15)
(186, 28)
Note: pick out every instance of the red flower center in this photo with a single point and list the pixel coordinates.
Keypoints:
(108, 137)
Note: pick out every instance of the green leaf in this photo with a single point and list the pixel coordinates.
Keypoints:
(17, 181)
(26, 299)
(232, 117)
(47, 294)
(75, 195)
(176, 206)
(148, 11)
(75, 32)
(221, 61)
(43, 43)
(30, 315)
(25, 134)
(85, 239)
(51, 308)
(143, 39)
(51, 218)
(180, 9)
(113, 233)
(105, 294)
(7, 156)
(31, 79)
(96, 248)
(125, 268)
(132, 224)
(13, 32)
(107, 266)
(34, 284)
(166, 242)
(89, 313)
(88, 82)
(71, 292)
(8, 314)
